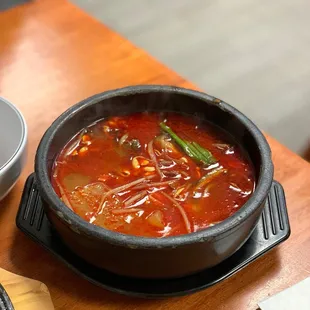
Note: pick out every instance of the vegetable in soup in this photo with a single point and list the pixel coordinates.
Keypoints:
(153, 174)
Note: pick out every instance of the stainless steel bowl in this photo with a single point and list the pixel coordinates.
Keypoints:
(13, 141)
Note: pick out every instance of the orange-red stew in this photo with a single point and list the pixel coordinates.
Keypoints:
(153, 175)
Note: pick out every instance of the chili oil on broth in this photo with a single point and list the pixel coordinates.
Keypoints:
(128, 175)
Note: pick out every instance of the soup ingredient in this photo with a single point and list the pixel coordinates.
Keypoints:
(117, 190)
(150, 150)
(182, 211)
(193, 150)
(209, 177)
(133, 199)
(73, 180)
(156, 219)
(153, 175)
(63, 196)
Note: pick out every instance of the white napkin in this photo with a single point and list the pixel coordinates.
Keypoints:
(296, 297)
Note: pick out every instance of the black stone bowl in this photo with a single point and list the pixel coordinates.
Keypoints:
(154, 257)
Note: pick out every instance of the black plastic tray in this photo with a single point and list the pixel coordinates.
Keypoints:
(272, 229)
(5, 302)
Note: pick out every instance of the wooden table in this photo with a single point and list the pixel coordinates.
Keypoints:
(51, 56)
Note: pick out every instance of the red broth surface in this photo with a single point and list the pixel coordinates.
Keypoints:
(128, 175)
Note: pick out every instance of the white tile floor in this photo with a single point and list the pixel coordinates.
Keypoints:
(252, 54)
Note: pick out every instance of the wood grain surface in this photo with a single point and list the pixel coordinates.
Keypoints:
(25, 293)
(53, 55)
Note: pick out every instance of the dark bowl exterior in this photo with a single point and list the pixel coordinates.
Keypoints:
(167, 262)
(152, 257)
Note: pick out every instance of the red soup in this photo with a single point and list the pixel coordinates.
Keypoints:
(153, 175)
